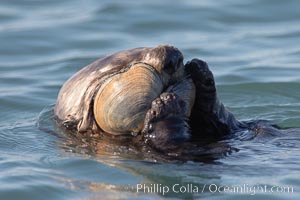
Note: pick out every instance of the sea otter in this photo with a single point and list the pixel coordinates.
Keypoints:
(148, 95)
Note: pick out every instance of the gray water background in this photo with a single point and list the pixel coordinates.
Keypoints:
(252, 47)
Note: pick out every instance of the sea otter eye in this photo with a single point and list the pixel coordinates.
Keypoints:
(209, 82)
(169, 67)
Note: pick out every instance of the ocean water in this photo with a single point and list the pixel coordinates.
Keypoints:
(252, 47)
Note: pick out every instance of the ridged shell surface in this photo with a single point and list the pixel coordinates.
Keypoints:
(123, 99)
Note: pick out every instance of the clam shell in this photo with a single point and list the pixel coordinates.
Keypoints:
(186, 90)
(123, 99)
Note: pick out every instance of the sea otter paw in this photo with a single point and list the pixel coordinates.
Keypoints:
(206, 92)
(161, 107)
(201, 74)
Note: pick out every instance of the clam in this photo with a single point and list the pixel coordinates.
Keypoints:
(122, 101)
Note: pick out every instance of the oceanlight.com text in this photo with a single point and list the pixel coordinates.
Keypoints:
(212, 188)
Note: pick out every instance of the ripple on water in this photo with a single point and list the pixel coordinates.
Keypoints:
(24, 177)
(251, 46)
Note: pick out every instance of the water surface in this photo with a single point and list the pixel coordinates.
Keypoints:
(252, 48)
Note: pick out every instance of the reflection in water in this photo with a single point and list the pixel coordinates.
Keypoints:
(127, 146)
(193, 172)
